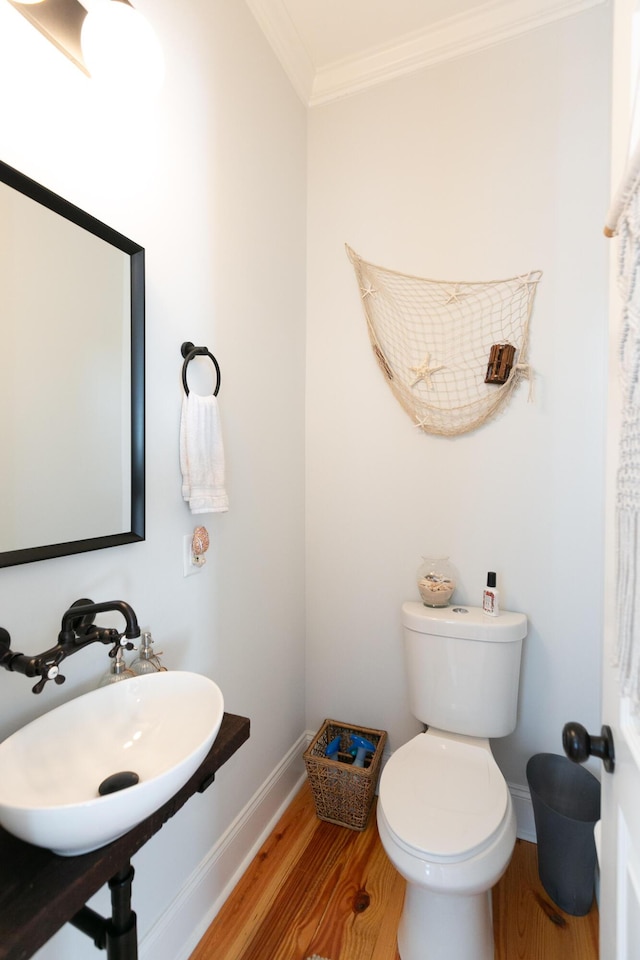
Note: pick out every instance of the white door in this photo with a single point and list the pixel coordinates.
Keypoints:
(620, 846)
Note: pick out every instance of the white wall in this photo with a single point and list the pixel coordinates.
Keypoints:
(478, 169)
(210, 178)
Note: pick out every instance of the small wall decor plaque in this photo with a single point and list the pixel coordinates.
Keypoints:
(501, 358)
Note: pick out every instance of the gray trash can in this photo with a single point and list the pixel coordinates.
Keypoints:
(566, 807)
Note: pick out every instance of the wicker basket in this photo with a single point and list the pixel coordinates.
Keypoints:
(342, 793)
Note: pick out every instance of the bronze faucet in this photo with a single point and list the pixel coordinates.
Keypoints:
(77, 631)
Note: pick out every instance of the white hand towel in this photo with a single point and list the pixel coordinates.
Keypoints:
(202, 455)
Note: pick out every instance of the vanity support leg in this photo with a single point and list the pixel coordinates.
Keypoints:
(118, 935)
(122, 937)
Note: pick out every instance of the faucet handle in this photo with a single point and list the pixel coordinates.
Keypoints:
(57, 677)
(121, 643)
(49, 671)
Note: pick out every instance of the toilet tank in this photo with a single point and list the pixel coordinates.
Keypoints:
(463, 668)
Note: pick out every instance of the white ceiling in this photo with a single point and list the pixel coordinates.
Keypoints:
(331, 30)
(332, 48)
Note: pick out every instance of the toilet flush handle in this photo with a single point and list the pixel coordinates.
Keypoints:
(578, 745)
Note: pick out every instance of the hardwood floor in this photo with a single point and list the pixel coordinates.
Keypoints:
(317, 888)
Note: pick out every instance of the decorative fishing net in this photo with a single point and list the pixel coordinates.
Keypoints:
(433, 340)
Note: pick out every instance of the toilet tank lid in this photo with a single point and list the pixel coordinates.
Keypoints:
(467, 623)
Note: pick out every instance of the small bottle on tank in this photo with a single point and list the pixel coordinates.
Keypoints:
(490, 604)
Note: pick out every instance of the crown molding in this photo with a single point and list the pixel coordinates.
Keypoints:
(279, 29)
(446, 39)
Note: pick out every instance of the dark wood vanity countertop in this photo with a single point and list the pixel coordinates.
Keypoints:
(40, 891)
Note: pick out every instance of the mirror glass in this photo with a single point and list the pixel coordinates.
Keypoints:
(71, 378)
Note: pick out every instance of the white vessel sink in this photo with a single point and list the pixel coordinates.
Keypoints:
(158, 726)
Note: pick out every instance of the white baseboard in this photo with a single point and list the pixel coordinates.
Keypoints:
(526, 827)
(186, 920)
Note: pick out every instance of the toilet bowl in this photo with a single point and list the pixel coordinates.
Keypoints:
(447, 824)
(445, 816)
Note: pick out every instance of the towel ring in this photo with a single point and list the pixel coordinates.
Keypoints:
(188, 351)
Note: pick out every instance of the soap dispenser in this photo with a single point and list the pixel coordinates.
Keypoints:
(147, 660)
(117, 671)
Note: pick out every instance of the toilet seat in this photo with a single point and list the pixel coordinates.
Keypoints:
(443, 797)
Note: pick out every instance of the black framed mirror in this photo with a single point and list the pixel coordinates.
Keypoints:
(72, 420)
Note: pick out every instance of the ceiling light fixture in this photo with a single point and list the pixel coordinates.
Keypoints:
(108, 40)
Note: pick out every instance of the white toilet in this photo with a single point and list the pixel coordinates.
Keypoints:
(445, 815)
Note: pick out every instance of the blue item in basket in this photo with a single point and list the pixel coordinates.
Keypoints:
(332, 750)
(363, 746)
